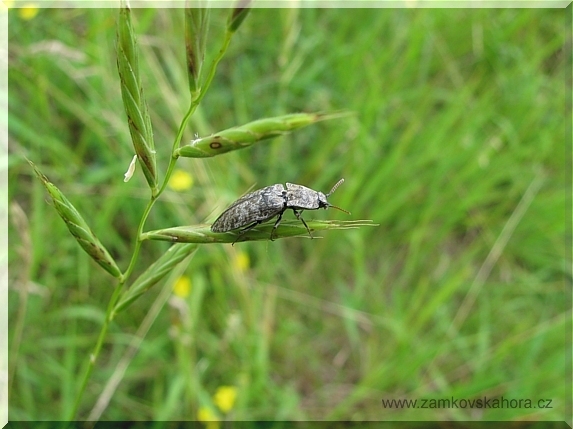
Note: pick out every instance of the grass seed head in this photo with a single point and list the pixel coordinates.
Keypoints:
(238, 15)
(196, 28)
(133, 97)
(78, 227)
(245, 135)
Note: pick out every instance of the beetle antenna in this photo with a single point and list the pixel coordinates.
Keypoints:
(338, 208)
(340, 182)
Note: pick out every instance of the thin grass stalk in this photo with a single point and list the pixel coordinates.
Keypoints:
(20, 221)
(139, 237)
(156, 271)
(134, 346)
(193, 106)
(111, 305)
(110, 310)
(138, 240)
(93, 356)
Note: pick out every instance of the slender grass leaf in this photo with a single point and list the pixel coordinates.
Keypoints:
(159, 269)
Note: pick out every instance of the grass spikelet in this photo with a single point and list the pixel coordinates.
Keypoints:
(133, 98)
(159, 269)
(245, 135)
(238, 15)
(78, 227)
(290, 228)
(196, 27)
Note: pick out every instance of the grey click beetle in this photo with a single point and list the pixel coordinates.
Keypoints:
(261, 205)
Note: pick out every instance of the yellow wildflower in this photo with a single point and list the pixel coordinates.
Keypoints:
(182, 287)
(28, 12)
(209, 418)
(180, 181)
(241, 261)
(225, 397)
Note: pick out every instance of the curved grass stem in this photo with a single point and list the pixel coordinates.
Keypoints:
(193, 106)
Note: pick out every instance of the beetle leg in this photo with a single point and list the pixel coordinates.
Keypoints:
(277, 223)
(242, 231)
(299, 217)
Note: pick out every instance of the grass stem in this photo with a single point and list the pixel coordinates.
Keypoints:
(155, 195)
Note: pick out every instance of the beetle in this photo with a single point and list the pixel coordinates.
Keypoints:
(259, 206)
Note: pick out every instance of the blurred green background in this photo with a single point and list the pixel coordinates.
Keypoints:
(457, 149)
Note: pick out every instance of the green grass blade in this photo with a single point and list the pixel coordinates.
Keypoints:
(159, 269)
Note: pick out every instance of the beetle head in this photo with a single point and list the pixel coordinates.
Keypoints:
(322, 202)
